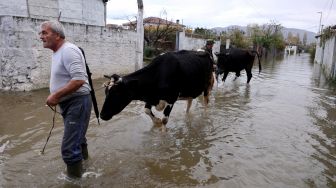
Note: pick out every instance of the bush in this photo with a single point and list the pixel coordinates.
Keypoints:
(149, 52)
(311, 51)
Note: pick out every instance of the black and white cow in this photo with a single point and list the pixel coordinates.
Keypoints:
(169, 77)
(235, 60)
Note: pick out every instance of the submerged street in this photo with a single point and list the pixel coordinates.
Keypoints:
(278, 131)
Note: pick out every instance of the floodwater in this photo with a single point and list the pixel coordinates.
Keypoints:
(277, 132)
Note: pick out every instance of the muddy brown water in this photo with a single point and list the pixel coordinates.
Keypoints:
(279, 131)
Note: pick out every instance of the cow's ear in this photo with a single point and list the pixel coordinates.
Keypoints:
(115, 77)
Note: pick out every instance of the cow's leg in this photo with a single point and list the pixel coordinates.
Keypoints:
(225, 75)
(166, 114)
(207, 90)
(218, 72)
(161, 105)
(237, 75)
(212, 80)
(189, 102)
(148, 111)
(249, 75)
(216, 75)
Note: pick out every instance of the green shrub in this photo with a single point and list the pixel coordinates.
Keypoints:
(149, 52)
(311, 51)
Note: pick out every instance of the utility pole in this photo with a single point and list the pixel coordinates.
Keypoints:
(104, 13)
(28, 10)
(319, 30)
(140, 40)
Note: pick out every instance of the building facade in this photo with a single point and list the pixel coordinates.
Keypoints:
(25, 64)
(88, 12)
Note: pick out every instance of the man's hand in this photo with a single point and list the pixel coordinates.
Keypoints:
(52, 100)
(72, 86)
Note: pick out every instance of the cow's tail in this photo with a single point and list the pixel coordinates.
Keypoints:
(258, 60)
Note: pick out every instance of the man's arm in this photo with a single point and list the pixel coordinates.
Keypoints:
(72, 86)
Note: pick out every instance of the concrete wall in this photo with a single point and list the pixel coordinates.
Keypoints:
(16, 8)
(318, 52)
(25, 64)
(89, 12)
(190, 43)
(326, 56)
(43, 9)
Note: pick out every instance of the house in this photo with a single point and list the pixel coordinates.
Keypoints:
(153, 22)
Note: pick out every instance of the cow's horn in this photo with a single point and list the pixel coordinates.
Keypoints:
(106, 76)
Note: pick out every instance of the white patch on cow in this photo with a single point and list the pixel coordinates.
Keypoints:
(161, 105)
(156, 121)
(119, 80)
(112, 82)
(200, 50)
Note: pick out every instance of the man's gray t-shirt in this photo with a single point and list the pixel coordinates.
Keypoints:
(68, 64)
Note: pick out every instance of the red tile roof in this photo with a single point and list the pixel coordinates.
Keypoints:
(154, 21)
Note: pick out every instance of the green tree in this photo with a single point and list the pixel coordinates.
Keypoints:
(206, 33)
(293, 40)
(237, 38)
(267, 36)
(304, 39)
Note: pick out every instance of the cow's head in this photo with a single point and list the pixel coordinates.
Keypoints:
(222, 59)
(118, 96)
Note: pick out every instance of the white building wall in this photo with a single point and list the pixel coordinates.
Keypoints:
(89, 12)
(10, 8)
(93, 12)
(326, 56)
(25, 64)
(318, 52)
(189, 43)
(43, 9)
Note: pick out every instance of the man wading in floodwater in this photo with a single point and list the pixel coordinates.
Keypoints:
(70, 89)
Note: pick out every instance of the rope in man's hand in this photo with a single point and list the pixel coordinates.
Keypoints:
(53, 125)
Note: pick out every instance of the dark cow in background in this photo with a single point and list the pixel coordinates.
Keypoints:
(235, 60)
(169, 77)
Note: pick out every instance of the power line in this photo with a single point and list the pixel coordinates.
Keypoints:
(255, 8)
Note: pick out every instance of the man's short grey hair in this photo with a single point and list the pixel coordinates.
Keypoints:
(56, 27)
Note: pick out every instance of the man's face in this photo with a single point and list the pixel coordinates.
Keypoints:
(49, 38)
(209, 46)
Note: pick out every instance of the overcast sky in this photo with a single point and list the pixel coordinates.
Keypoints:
(301, 14)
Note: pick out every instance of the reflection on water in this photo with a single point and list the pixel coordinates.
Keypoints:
(279, 131)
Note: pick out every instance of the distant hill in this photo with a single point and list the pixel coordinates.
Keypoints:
(310, 35)
(285, 31)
